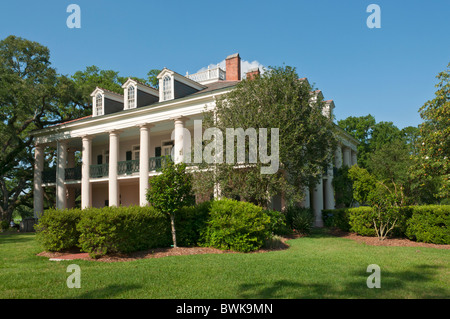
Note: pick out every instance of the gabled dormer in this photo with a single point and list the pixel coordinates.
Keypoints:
(106, 102)
(137, 94)
(173, 85)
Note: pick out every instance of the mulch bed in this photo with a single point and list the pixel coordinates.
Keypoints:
(152, 253)
(165, 252)
(374, 241)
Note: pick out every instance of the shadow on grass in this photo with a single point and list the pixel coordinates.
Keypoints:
(418, 282)
(16, 238)
(107, 292)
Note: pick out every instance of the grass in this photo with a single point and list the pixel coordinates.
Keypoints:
(318, 266)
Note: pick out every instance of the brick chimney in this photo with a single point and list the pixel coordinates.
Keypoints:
(252, 73)
(233, 67)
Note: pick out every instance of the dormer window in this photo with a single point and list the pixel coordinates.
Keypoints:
(131, 97)
(99, 104)
(167, 88)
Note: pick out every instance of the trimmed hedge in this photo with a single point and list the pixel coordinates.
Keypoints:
(190, 222)
(57, 229)
(430, 224)
(234, 225)
(122, 230)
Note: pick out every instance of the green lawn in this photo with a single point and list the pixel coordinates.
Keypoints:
(319, 266)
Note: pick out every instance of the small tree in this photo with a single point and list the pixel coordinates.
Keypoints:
(171, 191)
(385, 198)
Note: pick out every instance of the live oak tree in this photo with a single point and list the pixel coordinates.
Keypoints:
(34, 96)
(170, 191)
(275, 99)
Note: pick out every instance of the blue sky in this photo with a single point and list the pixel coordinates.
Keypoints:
(387, 72)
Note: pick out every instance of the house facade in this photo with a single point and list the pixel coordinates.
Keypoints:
(108, 157)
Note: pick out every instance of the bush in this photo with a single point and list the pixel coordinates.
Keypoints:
(361, 220)
(336, 218)
(430, 224)
(122, 230)
(234, 225)
(300, 219)
(57, 229)
(4, 225)
(190, 222)
(277, 224)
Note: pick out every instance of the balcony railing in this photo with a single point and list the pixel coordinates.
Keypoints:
(128, 167)
(156, 163)
(99, 170)
(208, 75)
(73, 173)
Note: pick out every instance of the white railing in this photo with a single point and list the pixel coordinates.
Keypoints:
(209, 75)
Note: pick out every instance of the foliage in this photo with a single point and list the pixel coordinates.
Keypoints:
(338, 218)
(299, 218)
(278, 225)
(239, 226)
(360, 128)
(343, 188)
(363, 183)
(435, 134)
(170, 191)
(430, 224)
(276, 99)
(57, 229)
(361, 220)
(190, 222)
(122, 230)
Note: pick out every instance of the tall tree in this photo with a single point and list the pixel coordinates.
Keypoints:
(435, 134)
(276, 99)
(29, 99)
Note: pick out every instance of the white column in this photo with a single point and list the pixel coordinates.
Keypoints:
(318, 204)
(347, 159)
(71, 190)
(354, 158)
(306, 201)
(178, 139)
(38, 191)
(338, 157)
(329, 193)
(143, 162)
(60, 175)
(86, 198)
(113, 184)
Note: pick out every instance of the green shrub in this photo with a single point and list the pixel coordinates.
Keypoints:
(190, 222)
(430, 224)
(234, 225)
(361, 220)
(4, 225)
(122, 230)
(277, 224)
(292, 213)
(336, 218)
(57, 229)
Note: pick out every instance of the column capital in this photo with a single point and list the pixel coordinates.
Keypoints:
(114, 132)
(87, 137)
(145, 125)
(179, 118)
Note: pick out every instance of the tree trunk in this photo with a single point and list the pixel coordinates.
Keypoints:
(174, 235)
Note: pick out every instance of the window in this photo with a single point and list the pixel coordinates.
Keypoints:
(131, 97)
(167, 88)
(99, 104)
(136, 149)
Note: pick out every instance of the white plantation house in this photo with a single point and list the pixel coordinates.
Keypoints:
(124, 140)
